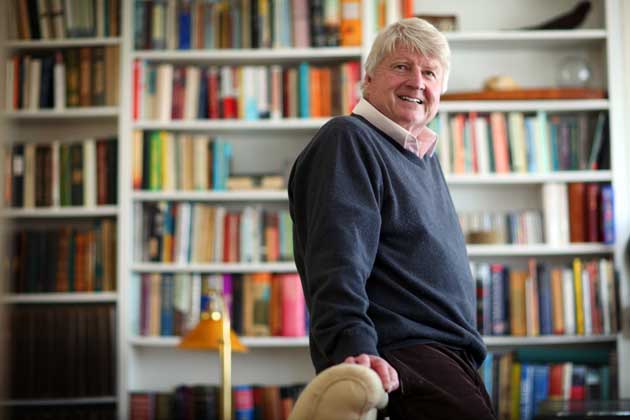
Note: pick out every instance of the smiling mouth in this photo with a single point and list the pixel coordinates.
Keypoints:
(410, 99)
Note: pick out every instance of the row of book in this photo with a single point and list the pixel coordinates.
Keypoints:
(177, 24)
(174, 92)
(64, 259)
(59, 19)
(202, 402)
(480, 143)
(183, 232)
(510, 227)
(518, 382)
(75, 77)
(167, 161)
(61, 351)
(260, 304)
(542, 299)
(59, 173)
(578, 212)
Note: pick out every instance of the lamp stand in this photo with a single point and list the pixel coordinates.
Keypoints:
(225, 354)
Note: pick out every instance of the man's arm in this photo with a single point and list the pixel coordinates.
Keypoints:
(335, 200)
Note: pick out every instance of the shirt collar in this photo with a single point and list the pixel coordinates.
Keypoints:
(426, 140)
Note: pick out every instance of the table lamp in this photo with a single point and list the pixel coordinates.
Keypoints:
(211, 333)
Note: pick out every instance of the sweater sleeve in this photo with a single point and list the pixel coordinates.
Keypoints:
(334, 200)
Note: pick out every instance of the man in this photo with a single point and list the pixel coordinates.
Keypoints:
(377, 241)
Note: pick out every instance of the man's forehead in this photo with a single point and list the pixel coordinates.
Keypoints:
(404, 52)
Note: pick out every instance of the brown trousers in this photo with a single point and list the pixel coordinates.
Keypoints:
(436, 382)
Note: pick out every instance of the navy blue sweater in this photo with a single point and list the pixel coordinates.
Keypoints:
(378, 247)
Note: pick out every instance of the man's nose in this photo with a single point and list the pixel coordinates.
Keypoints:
(417, 81)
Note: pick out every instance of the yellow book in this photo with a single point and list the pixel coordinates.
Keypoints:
(579, 301)
(515, 392)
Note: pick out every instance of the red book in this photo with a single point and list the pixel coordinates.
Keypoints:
(596, 308)
(577, 207)
(556, 374)
(137, 89)
(293, 307)
(101, 172)
(213, 92)
(593, 212)
(179, 92)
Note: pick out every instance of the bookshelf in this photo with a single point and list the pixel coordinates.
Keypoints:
(267, 143)
(49, 129)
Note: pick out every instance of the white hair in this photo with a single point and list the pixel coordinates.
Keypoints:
(416, 34)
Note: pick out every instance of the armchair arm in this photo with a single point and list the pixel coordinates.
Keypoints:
(341, 392)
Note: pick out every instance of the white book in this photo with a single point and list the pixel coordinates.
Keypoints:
(543, 152)
(568, 299)
(29, 175)
(100, 18)
(586, 302)
(171, 25)
(481, 144)
(191, 92)
(89, 173)
(165, 91)
(10, 79)
(168, 161)
(140, 252)
(195, 301)
(245, 233)
(444, 142)
(35, 84)
(70, 15)
(604, 296)
(45, 23)
(182, 292)
(182, 234)
(56, 198)
(276, 92)
(186, 167)
(58, 24)
(567, 376)
(518, 150)
(200, 153)
(197, 232)
(59, 82)
(262, 91)
(256, 234)
(219, 219)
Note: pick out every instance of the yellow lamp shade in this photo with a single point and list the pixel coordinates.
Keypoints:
(207, 336)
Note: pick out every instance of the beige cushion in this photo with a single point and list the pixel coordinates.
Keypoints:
(341, 392)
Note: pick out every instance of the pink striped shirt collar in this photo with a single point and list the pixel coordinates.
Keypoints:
(423, 144)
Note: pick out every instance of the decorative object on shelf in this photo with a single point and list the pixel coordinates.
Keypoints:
(526, 94)
(444, 23)
(483, 237)
(500, 82)
(574, 72)
(211, 333)
(568, 20)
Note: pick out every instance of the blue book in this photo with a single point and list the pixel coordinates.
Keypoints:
(608, 213)
(544, 296)
(553, 141)
(541, 385)
(527, 392)
(243, 402)
(304, 90)
(184, 23)
(217, 161)
(530, 142)
(167, 309)
(202, 110)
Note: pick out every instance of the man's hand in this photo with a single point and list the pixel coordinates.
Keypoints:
(385, 371)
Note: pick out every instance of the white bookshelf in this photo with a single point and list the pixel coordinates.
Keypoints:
(279, 267)
(60, 212)
(64, 114)
(155, 363)
(61, 43)
(272, 55)
(77, 297)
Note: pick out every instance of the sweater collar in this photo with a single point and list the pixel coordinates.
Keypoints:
(425, 142)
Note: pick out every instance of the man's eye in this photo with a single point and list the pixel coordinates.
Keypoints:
(430, 73)
(400, 67)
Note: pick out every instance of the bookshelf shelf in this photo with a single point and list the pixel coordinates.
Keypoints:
(528, 39)
(85, 112)
(260, 55)
(61, 43)
(539, 250)
(492, 341)
(287, 124)
(279, 267)
(526, 106)
(220, 196)
(78, 297)
(253, 342)
(495, 341)
(60, 401)
(55, 212)
(530, 178)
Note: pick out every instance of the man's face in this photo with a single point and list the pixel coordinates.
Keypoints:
(405, 86)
